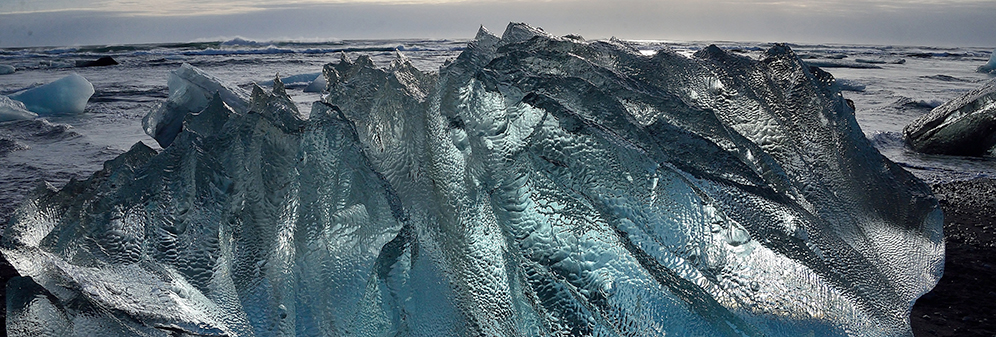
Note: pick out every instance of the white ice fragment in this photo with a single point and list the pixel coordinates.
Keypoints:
(7, 69)
(293, 80)
(314, 82)
(11, 110)
(67, 95)
(989, 67)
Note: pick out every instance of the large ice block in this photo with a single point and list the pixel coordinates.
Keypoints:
(67, 95)
(964, 126)
(535, 186)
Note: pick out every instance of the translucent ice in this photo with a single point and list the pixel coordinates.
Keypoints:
(67, 95)
(989, 67)
(535, 186)
(964, 126)
(317, 85)
(190, 90)
(11, 110)
(6, 69)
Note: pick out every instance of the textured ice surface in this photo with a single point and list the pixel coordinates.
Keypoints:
(6, 69)
(11, 110)
(67, 95)
(964, 126)
(534, 186)
(190, 90)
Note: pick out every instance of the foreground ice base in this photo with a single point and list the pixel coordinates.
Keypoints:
(67, 95)
(534, 186)
(964, 126)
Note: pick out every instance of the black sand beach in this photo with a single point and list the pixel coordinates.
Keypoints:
(964, 302)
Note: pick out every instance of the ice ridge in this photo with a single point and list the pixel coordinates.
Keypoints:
(535, 185)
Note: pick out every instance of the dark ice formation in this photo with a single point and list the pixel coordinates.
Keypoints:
(857, 64)
(534, 186)
(100, 62)
(964, 126)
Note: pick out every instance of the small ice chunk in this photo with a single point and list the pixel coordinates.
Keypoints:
(11, 110)
(7, 69)
(849, 85)
(299, 80)
(67, 95)
(317, 85)
(989, 67)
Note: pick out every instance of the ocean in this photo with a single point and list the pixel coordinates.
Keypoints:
(889, 85)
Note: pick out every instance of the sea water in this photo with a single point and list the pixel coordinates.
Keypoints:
(889, 85)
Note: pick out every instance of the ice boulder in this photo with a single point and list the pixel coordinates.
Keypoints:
(11, 110)
(535, 186)
(67, 95)
(101, 62)
(190, 91)
(7, 69)
(989, 67)
(964, 126)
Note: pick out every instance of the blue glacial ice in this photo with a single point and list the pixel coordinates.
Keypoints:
(11, 110)
(989, 67)
(7, 69)
(964, 126)
(534, 186)
(190, 91)
(317, 85)
(67, 95)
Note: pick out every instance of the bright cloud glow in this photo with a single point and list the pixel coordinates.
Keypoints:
(198, 7)
(223, 7)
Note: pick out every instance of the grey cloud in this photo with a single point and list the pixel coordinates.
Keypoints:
(926, 25)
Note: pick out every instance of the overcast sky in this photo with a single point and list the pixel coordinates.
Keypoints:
(87, 22)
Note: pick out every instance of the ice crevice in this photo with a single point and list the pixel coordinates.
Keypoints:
(535, 185)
